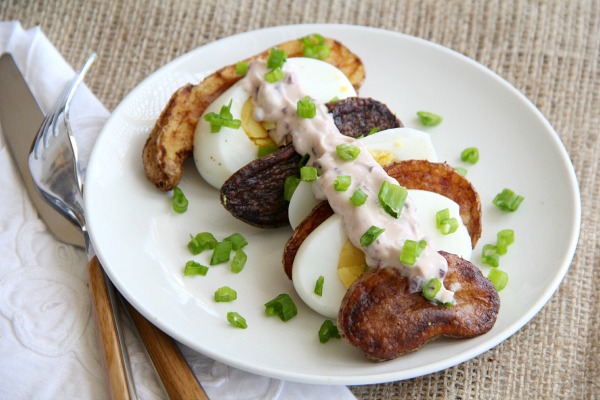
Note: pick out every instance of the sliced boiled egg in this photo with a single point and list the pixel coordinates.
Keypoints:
(387, 146)
(327, 252)
(219, 155)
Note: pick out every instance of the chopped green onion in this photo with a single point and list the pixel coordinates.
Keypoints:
(373, 130)
(499, 278)
(239, 261)
(236, 320)
(308, 174)
(225, 294)
(489, 255)
(276, 58)
(411, 250)
(359, 197)
(314, 46)
(334, 99)
(370, 235)
(179, 201)
(303, 160)
(202, 241)
(428, 118)
(221, 253)
(224, 118)
(319, 286)
(237, 241)
(241, 68)
(507, 200)
(461, 170)
(342, 183)
(305, 108)
(470, 155)
(328, 330)
(290, 185)
(266, 149)
(194, 268)
(505, 238)
(283, 306)
(392, 198)
(347, 152)
(444, 223)
(274, 75)
(431, 288)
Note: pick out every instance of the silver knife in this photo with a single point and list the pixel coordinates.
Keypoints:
(20, 119)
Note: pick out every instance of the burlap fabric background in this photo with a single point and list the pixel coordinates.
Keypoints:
(547, 49)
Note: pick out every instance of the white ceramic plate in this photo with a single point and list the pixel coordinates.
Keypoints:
(142, 243)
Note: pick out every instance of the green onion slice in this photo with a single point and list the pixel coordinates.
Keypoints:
(499, 278)
(347, 152)
(431, 288)
(241, 68)
(239, 261)
(290, 185)
(489, 255)
(237, 241)
(305, 108)
(308, 174)
(444, 223)
(274, 75)
(283, 306)
(470, 155)
(276, 58)
(411, 250)
(370, 235)
(303, 160)
(461, 170)
(202, 241)
(179, 201)
(342, 183)
(224, 118)
(392, 198)
(221, 253)
(328, 330)
(507, 200)
(358, 198)
(236, 320)
(319, 286)
(314, 46)
(263, 150)
(429, 118)
(372, 131)
(505, 237)
(194, 268)
(225, 294)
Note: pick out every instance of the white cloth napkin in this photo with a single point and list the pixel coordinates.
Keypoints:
(48, 340)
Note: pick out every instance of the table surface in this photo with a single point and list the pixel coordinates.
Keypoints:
(548, 50)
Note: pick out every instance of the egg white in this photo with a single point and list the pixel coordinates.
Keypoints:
(319, 253)
(402, 143)
(219, 155)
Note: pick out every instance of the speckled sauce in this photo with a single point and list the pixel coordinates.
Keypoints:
(319, 137)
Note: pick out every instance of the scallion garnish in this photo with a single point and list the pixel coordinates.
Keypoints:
(308, 174)
(263, 150)
(241, 68)
(328, 330)
(505, 238)
(290, 185)
(370, 235)
(461, 170)
(359, 197)
(347, 152)
(274, 75)
(305, 108)
(221, 253)
(372, 131)
(507, 200)
(283, 306)
(411, 250)
(342, 183)
(303, 160)
(223, 118)
(202, 241)
(314, 46)
(239, 261)
(225, 294)
(319, 285)
(489, 255)
(276, 58)
(392, 198)
(194, 268)
(444, 223)
(431, 288)
(237, 241)
(428, 118)
(498, 278)
(179, 201)
(470, 155)
(236, 320)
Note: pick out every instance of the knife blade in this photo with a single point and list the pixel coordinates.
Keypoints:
(20, 119)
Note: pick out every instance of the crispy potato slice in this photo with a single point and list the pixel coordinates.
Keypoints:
(412, 174)
(171, 141)
(384, 320)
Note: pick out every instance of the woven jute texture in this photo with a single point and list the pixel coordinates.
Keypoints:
(549, 50)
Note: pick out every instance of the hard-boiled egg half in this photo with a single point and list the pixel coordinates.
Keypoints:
(327, 252)
(387, 146)
(219, 155)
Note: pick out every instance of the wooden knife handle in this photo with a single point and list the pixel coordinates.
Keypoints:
(176, 376)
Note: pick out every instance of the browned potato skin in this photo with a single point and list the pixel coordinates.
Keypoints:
(171, 141)
(380, 317)
(412, 174)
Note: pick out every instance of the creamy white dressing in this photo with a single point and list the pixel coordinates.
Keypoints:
(318, 137)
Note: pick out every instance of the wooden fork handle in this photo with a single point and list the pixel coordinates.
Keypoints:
(174, 372)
